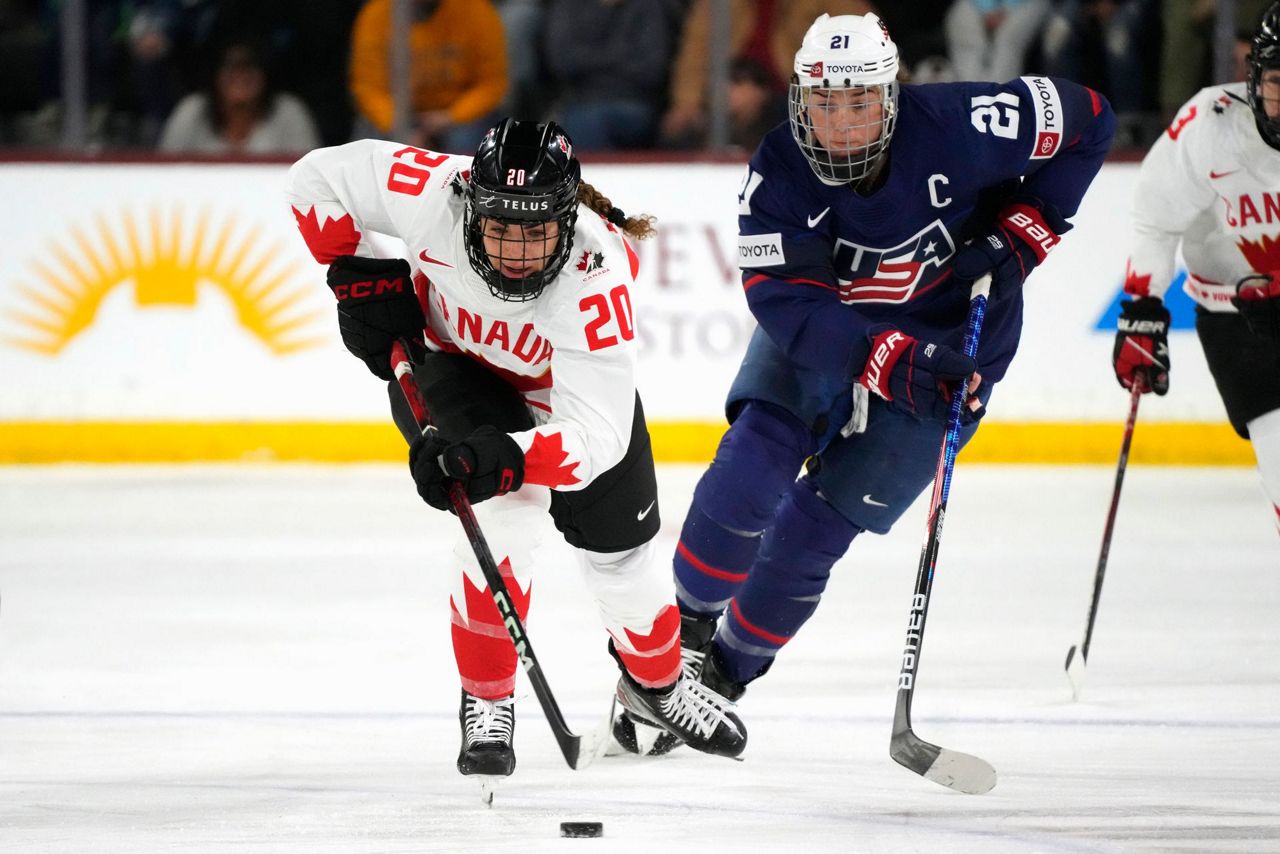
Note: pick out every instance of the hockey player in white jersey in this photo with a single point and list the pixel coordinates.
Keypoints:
(518, 285)
(1212, 184)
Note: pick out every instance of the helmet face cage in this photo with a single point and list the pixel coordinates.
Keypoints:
(843, 110)
(1264, 56)
(524, 177)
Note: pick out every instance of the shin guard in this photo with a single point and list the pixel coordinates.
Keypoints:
(757, 460)
(789, 576)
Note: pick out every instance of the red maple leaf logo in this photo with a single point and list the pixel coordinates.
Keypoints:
(1135, 285)
(544, 462)
(653, 660)
(326, 242)
(1263, 256)
(480, 604)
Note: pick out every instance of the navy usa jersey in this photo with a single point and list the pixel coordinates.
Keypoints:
(821, 263)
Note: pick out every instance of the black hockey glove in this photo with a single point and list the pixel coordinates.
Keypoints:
(1025, 231)
(488, 463)
(1258, 299)
(916, 377)
(1142, 344)
(376, 305)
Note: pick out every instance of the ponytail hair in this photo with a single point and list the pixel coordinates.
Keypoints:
(638, 227)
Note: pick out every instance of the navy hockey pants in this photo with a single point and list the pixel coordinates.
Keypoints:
(758, 544)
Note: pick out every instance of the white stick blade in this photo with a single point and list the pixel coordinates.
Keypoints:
(1075, 671)
(593, 744)
(962, 772)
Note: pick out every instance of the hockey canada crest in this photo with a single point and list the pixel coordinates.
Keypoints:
(590, 261)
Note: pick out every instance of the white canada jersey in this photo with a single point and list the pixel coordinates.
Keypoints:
(1213, 184)
(579, 331)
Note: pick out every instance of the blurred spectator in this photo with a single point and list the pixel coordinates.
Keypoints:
(755, 105)
(137, 64)
(458, 70)
(766, 31)
(1187, 62)
(989, 39)
(240, 111)
(1107, 45)
(158, 34)
(609, 59)
(919, 32)
(309, 44)
(522, 24)
(23, 43)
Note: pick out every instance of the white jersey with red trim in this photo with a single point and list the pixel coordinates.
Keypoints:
(1211, 183)
(579, 331)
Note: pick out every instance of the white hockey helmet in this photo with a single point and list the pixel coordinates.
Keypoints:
(844, 52)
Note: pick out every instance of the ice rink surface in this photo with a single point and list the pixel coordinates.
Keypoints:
(256, 659)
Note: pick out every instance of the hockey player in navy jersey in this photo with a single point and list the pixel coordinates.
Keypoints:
(863, 223)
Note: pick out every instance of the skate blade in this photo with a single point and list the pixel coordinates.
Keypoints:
(488, 787)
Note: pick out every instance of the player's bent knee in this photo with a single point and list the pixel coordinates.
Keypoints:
(758, 458)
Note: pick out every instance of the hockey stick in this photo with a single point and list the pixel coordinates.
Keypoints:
(949, 768)
(577, 752)
(1076, 663)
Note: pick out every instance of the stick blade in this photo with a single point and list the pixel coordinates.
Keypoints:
(1075, 671)
(951, 768)
(593, 744)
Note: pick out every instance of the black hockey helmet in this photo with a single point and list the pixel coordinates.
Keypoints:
(523, 174)
(1265, 55)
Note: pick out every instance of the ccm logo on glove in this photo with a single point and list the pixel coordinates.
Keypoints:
(372, 288)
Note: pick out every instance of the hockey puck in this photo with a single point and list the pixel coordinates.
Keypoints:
(581, 829)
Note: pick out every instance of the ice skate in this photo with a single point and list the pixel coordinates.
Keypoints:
(688, 710)
(635, 735)
(488, 728)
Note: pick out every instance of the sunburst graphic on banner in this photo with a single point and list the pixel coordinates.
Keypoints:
(165, 270)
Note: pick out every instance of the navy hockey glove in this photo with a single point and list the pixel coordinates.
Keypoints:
(488, 463)
(376, 305)
(916, 377)
(1258, 299)
(1142, 344)
(1025, 231)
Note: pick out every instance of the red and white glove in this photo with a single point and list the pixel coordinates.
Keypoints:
(1024, 233)
(918, 378)
(1142, 344)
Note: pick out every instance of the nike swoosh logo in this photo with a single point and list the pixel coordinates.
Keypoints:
(867, 499)
(428, 259)
(814, 220)
(1213, 176)
(645, 512)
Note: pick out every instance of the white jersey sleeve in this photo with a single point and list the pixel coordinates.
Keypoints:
(1173, 190)
(339, 194)
(1210, 185)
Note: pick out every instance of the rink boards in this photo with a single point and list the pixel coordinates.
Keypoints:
(170, 312)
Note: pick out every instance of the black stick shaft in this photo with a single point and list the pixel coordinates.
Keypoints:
(937, 514)
(570, 744)
(1135, 396)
